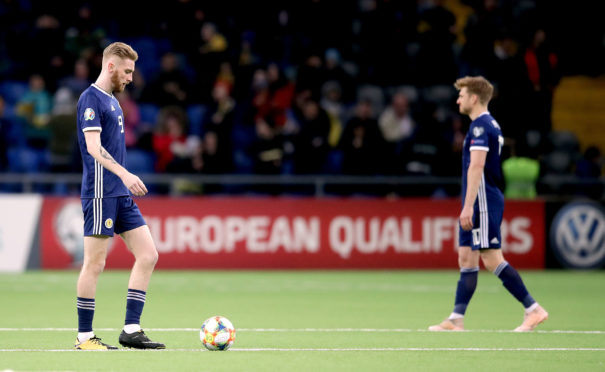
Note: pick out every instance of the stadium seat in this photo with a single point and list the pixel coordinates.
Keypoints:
(409, 90)
(558, 162)
(12, 91)
(24, 160)
(372, 93)
(333, 163)
(140, 161)
(563, 141)
(149, 113)
(440, 94)
(196, 115)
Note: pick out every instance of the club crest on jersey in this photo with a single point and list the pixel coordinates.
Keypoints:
(477, 131)
(108, 223)
(89, 114)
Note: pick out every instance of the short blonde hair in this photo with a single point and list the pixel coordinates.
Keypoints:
(477, 85)
(121, 50)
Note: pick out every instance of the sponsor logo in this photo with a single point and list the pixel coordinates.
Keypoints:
(113, 108)
(577, 235)
(89, 114)
(109, 223)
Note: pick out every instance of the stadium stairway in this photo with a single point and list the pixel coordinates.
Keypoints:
(578, 106)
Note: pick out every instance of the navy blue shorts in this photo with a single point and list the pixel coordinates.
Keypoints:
(485, 233)
(106, 216)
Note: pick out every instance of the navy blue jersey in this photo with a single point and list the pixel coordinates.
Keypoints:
(484, 134)
(100, 111)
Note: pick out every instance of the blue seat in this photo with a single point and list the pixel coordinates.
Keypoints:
(196, 115)
(12, 91)
(24, 160)
(149, 113)
(140, 161)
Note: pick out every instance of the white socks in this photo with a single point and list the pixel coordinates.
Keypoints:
(132, 328)
(83, 336)
(531, 308)
(456, 316)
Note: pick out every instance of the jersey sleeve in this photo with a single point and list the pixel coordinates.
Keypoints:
(479, 138)
(89, 113)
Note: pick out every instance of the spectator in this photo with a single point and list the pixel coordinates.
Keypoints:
(310, 75)
(35, 108)
(267, 149)
(361, 143)
(132, 118)
(171, 86)
(170, 140)
(543, 72)
(217, 142)
(520, 174)
(436, 55)
(589, 169)
(513, 90)
(481, 32)
(396, 123)
(62, 152)
(425, 155)
(331, 94)
(36, 104)
(311, 143)
(281, 92)
(589, 166)
(334, 71)
(79, 81)
(212, 51)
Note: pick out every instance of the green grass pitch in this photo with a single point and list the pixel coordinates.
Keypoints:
(308, 321)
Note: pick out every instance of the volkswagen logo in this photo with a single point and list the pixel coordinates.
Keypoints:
(577, 235)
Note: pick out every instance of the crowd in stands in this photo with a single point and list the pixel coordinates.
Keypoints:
(277, 87)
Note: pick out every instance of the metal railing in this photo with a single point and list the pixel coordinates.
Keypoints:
(174, 184)
(313, 185)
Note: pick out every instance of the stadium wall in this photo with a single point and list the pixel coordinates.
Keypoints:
(282, 233)
(302, 233)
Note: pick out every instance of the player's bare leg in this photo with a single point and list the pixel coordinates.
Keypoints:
(468, 260)
(95, 252)
(140, 243)
(535, 314)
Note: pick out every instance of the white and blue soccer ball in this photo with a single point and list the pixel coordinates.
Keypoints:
(217, 333)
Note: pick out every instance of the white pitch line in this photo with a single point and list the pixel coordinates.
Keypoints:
(311, 330)
(333, 349)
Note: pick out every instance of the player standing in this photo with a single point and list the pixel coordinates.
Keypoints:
(107, 204)
(483, 206)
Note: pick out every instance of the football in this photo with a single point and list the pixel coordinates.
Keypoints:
(217, 333)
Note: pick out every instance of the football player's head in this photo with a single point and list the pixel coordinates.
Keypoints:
(118, 62)
(473, 90)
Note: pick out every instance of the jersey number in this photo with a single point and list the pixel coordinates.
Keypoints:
(500, 143)
(121, 124)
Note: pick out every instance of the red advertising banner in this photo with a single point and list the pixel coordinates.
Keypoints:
(307, 233)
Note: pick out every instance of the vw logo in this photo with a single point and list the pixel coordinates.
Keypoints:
(577, 235)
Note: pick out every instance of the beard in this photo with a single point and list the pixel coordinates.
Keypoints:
(465, 110)
(116, 85)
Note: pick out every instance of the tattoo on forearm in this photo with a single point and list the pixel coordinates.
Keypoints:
(107, 156)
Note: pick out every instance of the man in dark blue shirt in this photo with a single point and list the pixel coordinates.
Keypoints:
(482, 209)
(106, 202)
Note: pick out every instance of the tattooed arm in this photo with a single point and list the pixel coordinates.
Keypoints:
(97, 151)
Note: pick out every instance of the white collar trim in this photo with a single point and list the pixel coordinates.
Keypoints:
(101, 90)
